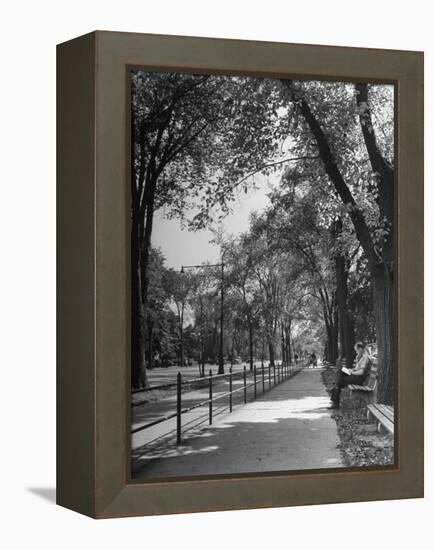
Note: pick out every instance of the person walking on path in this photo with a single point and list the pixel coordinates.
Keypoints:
(355, 375)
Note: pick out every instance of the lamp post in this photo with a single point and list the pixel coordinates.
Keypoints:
(222, 266)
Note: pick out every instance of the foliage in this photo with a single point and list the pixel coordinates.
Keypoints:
(199, 140)
(193, 130)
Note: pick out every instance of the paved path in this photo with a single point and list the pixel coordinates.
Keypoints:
(288, 428)
(158, 404)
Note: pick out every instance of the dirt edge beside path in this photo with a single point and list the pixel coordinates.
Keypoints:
(360, 443)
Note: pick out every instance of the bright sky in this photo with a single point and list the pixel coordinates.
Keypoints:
(183, 247)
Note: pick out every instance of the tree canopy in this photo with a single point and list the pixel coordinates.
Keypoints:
(318, 258)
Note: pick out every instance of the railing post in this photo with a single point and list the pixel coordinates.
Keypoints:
(269, 376)
(210, 396)
(178, 409)
(230, 389)
(263, 379)
(254, 378)
(245, 384)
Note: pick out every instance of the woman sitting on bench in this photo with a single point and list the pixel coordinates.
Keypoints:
(356, 375)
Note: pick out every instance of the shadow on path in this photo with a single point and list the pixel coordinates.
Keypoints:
(287, 428)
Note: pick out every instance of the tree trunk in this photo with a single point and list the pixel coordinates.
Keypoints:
(250, 345)
(286, 342)
(335, 332)
(345, 323)
(138, 345)
(150, 345)
(202, 355)
(141, 232)
(332, 329)
(262, 348)
(271, 351)
(331, 321)
(383, 293)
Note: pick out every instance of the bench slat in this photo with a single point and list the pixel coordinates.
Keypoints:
(355, 387)
(376, 411)
(387, 410)
(383, 419)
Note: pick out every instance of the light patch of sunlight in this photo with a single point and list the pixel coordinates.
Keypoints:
(307, 408)
(146, 437)
(201, 433)
(333, 461)
(191, 395)
(178, 451)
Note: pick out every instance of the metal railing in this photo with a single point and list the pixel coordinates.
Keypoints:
(264, 377)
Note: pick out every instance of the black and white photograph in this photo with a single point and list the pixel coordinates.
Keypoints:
(262, 274)
(216, 242)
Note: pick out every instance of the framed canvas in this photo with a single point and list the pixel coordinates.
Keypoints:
(237, 220)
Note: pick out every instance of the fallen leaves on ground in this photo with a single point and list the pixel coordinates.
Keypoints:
(360, 443)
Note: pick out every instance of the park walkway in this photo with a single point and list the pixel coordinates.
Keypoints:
(287, 428)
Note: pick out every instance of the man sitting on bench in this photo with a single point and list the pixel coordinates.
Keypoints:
(356, 375)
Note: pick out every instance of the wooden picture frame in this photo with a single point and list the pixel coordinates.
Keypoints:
(93, 274)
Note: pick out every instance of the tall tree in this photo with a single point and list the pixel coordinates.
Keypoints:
(240, 262)
(184, 129)
(296, 222)
(330, 132)
(342, 265)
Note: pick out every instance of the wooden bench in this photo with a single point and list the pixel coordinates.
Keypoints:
(369, 386)
(383, 415)
(361, 395)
